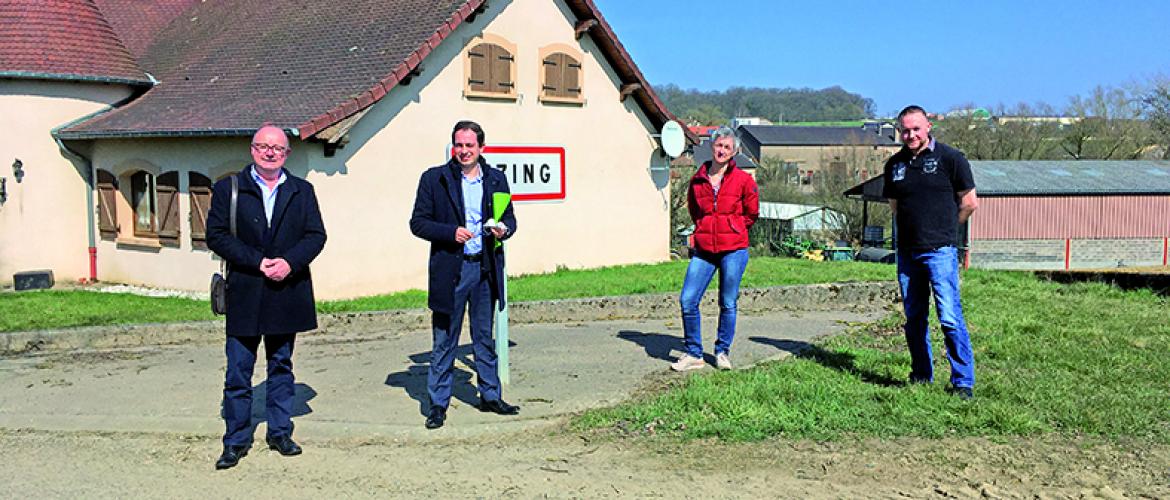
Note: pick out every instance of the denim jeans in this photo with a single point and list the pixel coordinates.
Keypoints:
(699, 273)
(919, 273)
(237, 388)
(473, 290)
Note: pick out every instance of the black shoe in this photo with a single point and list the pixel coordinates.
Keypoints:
(498, 406)
(231, 456)
(437, 417)
(284, 445)
(964, 393)
(919, 380)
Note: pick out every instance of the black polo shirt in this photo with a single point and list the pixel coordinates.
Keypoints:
(927, 191)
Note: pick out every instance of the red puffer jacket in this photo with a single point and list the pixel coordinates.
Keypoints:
(722, 225)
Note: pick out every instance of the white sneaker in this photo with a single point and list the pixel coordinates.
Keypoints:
(722, 361)
(687, 362)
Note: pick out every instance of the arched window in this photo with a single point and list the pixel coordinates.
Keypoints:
(560, 75)
(490, 68)
(199, 195)
(143, 203)
(107, 186)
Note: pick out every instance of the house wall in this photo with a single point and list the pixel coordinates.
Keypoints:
(616, 205)
(818, 158)
(43, 218)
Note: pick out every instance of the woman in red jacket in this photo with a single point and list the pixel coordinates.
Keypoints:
(724, 203)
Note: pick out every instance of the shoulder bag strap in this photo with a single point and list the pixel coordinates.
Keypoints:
(231, 220)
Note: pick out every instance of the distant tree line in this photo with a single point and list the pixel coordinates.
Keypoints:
(1106, 124)
(778, 105)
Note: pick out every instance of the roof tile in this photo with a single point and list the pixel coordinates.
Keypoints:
(65, 39)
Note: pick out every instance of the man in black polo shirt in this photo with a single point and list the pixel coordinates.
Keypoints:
(931, 191)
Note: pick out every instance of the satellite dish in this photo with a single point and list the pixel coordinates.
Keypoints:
(674, 139)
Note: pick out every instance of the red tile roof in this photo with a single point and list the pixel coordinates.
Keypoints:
(138, 22)
(226, 67)
(63, 40)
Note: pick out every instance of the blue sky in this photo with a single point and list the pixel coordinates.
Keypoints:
(937, 54)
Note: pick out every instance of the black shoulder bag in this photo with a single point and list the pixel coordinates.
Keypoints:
(219, 280)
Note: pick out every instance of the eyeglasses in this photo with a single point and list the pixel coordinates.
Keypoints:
(264, 148)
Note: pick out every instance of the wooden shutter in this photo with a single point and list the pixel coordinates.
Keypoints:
(553, 71)
(480, 78)
(168, 205)
(501, 61)
(107, 198)
(562, 76)
(570, 77)
(199, 194)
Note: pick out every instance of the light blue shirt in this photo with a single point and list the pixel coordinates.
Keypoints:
(268, 195)
(472, 207)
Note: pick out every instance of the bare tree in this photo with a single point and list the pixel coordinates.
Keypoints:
(1157, 110)
(1108, 125)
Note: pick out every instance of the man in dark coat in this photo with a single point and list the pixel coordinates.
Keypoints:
(453, 210)
(270, 290)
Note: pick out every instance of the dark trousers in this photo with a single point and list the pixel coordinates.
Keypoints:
(474, 293)
(237, 387)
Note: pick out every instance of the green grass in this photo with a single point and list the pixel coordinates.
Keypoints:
(1083, 359)
(38, 310)
(46, 309)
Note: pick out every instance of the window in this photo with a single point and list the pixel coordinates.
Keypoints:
(107, 186)
(490, 66)
(560, 75)
(142, 203)
(199, 197)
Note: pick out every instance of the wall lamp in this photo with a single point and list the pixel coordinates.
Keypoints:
(18, 170)
(3, 190)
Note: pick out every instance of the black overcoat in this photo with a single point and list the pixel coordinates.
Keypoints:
(255, 304)
(438, 211)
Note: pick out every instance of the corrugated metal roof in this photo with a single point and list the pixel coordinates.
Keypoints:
(1060, 177)
(1071, 177)
(783, 135)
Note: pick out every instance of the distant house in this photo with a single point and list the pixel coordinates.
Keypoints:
(1063, 214)
(120, 114)
(854, 153)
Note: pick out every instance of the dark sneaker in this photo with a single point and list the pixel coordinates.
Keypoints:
(964, 393)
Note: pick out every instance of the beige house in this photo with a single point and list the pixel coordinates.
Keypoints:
(368, 95)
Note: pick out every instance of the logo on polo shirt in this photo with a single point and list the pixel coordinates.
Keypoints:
(930, 165)
(899, 172)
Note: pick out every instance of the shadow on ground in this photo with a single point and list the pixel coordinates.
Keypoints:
(413, 379)
(840, 361)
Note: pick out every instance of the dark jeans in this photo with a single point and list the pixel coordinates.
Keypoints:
(920, 273)
(473, 292)
(237, 387)
(699, 273)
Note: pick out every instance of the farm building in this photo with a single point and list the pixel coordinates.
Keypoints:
(1063, 214)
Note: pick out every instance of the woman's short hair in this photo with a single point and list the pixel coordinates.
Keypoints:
(722, 132)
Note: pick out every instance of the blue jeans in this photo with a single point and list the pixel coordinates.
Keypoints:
(237, 387)
(920, 272)
(473, 290)
(699, 273)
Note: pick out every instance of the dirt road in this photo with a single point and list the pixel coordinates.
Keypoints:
(143, 423)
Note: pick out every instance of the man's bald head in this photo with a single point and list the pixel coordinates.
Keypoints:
(269, 150)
